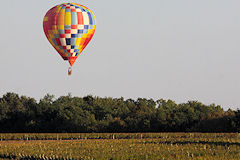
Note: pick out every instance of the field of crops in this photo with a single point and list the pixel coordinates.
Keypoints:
(103, 146)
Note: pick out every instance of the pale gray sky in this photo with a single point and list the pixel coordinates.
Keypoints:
(172, 49)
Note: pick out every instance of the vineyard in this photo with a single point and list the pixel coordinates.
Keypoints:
(102, 146)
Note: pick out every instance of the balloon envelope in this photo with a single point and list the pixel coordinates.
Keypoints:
(69, 27)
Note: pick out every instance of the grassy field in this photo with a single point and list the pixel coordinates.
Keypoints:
(163, 146)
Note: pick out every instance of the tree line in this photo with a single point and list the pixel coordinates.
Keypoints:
(96, 114)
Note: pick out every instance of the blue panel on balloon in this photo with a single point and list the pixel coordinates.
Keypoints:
(74, 35)
(68, 41)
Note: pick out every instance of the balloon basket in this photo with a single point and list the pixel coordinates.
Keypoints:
(69, 71)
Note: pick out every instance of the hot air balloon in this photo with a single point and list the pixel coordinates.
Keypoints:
(69, 27)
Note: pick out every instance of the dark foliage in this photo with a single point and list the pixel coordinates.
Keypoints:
(95, 114)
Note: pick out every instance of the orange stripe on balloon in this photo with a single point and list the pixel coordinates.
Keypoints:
(80, 18)
(61, 17)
